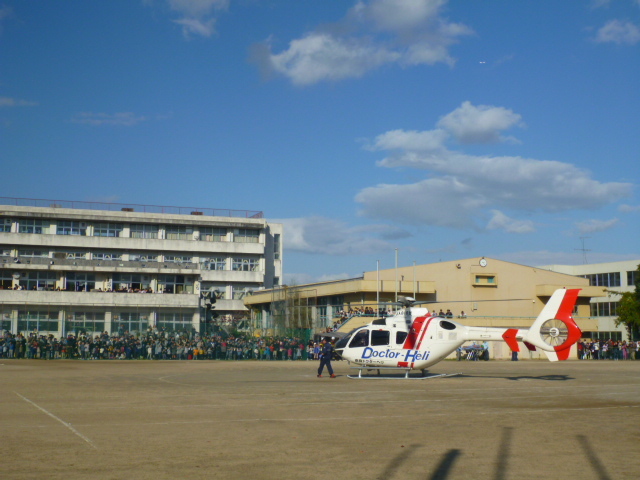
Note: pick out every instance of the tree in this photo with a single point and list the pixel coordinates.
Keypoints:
(629, 309)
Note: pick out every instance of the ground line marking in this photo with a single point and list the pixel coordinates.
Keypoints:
(68, 425)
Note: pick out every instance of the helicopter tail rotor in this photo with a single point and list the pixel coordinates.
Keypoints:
(555, 331)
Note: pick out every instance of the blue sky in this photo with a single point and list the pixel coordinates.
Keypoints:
(444, 129)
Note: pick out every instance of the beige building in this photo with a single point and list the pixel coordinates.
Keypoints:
(76, 266)
(487, 292)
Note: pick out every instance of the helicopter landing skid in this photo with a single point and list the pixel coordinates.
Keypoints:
(406, 376)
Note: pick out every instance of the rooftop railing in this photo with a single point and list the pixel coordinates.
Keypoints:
(128, 207)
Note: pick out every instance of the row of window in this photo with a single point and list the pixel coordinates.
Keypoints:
(604, 309)
(168, 232)
(119, 282)
(243, 264)
(94, 322)
(611, 279)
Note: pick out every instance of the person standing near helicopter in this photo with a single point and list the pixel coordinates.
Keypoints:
(326, 353)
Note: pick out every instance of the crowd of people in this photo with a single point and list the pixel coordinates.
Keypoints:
(154, 345)
(608, 350)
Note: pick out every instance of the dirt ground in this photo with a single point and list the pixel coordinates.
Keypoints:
(276, 420)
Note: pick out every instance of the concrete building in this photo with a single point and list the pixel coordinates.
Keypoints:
(77, 266)
(609, 277)
(487, 292)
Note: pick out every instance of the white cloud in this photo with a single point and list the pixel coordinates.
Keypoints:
(479, 124)
(462, 188)
(629, 208)
(372, 34)
(592, 226)
(16, 102)
(196, 17)
(126, 119)
(333, 237)
(620, 32)
(204, 28)
(500, 221)
(321, 56)
(410, 140)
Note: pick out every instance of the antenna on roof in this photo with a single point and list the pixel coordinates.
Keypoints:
(583, 250)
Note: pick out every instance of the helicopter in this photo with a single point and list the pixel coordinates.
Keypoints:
(414, 339)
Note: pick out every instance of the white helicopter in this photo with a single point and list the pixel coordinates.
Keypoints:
(412, 339)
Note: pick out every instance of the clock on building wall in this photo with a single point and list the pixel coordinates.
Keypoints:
(483, 262)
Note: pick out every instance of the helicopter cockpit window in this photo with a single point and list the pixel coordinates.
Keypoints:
(447, 325)
(360, 339)
(401, 337)
(379, 337)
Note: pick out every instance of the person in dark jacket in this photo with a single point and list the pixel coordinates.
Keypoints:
(325, 358)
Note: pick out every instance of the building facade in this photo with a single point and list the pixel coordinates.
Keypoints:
(70, 267)
(610, 277)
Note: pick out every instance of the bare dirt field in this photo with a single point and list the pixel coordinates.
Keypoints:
(276, 420)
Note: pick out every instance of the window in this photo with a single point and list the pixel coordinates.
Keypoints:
(245, 264)
(107, 230)
(604, 279)
(144, 231)
(604, 309)
(85, 322)
(32, 253)
(71, 228)
(401, 337)
(175, 232)
(6, 280)
(178, 259)
(106, 256)
(238, 292)
(632, 276)
(379, 337)
(131, 281)
(143, 257)
(130, 322)
(5, 225)
(39, 280)
(80, 282)
(276, 246)
(29, 321)
(447, 325)
(6, 252)
(76, 255)
(213, 234)
(214, 263)
(246, 235)
(5, 320)
(175, 284)
(485, 280)
(30, 225)
(360, 339)
(175, 322)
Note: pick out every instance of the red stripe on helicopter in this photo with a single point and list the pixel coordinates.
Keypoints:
(564, 314)
(414, 331)
(423, 331)
(416, 335)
